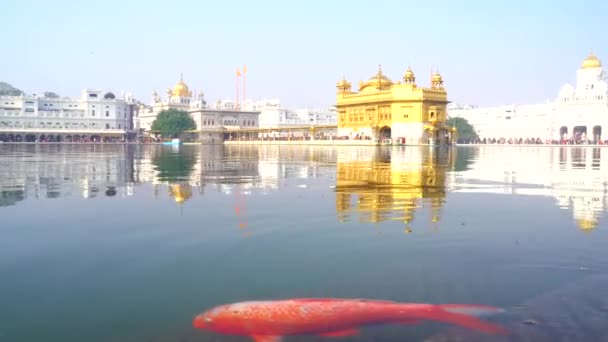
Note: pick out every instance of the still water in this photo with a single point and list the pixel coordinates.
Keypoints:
(128, 243)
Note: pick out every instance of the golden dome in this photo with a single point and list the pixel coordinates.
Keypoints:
(181, 89)
(591, 62)
(378, 81)
(380, 78)
(586, 225)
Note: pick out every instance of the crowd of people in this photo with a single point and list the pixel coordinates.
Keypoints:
(533, 141)
(12, 138)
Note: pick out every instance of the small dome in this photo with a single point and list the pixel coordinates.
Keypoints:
(437, 78)
(591, 62)
(409, 76)
(181, 89)
(343, 84)
(408, 73)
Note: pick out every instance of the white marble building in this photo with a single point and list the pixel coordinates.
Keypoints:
(180, 98)
(213, 125)
(94, 116)
(274, 115)
(578, 114)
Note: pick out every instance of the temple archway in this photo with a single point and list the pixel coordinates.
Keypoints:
(30, 138)
(563, 132)
(579, 132)
(597, 133)
(384, 133)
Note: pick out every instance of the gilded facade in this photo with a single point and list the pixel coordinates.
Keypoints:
(394, 112)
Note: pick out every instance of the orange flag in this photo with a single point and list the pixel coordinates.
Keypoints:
(238, 72)
(245, 69)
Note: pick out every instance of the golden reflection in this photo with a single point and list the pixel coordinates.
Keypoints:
(586, 224)
(180, 192)
(383, 184)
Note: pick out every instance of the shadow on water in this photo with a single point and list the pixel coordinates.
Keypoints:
(464, 158)
(575, 312)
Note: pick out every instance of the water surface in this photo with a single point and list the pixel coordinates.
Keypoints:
(128, 243)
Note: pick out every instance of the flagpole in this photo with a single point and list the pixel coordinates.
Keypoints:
(245, 84)
(236, 103)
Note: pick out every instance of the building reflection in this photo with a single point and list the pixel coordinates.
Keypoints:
(371, 184)
(52, 171)
(383, 184)
(575, 177)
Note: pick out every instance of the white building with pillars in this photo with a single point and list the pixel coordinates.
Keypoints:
(578, 114)
(95, 116)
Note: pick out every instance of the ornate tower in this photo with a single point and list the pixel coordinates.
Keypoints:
(343, 86)
(436, 81)
(409, 77)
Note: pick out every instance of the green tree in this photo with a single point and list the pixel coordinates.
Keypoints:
(7, 89)
(170, 123)
(51, 95)
(465, 129)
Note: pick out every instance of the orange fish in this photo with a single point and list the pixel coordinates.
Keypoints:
(269, 321)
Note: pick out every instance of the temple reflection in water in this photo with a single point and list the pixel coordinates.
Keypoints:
(391, 184)
(372, 184)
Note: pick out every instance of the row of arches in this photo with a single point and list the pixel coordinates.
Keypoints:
(581, 133)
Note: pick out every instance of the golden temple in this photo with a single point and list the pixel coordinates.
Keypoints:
(394, 112)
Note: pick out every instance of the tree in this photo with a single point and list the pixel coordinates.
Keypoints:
(465, 129)
(51, 95)
(7, 89)
(173, 122)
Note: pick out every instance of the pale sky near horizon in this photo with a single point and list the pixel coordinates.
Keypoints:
(488, 53)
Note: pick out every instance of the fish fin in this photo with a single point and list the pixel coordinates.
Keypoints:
(459, 314)
(340, 333)
(266, 338)
(471, 309)
(342, 299)
(316, 299)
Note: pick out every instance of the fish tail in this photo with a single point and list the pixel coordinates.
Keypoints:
(471, 309)
(466, 316)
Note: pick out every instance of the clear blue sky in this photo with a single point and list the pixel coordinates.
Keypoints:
(489, 53)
